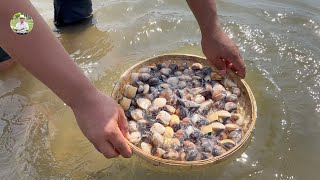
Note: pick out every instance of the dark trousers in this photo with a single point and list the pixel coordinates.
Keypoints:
(66, 12)
(71, 11)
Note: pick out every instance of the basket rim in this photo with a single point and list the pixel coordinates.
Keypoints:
(137, 151)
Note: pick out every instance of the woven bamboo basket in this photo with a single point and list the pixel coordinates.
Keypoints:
(248, 110)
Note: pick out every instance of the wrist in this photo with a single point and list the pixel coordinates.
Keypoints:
(211, 30)
(82, 96)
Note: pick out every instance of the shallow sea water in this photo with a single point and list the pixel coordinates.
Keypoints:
(39, 137)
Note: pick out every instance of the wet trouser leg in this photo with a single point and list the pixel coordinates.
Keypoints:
(3, 55)
(71, 11)
(66, 12)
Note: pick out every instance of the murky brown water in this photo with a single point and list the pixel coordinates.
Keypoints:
(39, 137)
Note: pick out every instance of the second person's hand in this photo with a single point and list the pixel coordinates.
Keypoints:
(103, 122)
(222, 52)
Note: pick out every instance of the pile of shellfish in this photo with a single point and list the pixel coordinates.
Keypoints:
(181, 112)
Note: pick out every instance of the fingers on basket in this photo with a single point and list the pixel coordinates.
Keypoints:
(236, 64)
(119, 143)
(220, 65)
(123, 123)
(107, 149)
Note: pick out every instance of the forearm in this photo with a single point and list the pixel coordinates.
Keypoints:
(41, 53)
(205, 12)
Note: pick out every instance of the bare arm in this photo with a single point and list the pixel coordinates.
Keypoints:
(219, 49)
(98, 116)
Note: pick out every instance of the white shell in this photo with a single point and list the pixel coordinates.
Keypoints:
(157, 127)
(144, 103)
(164, 117)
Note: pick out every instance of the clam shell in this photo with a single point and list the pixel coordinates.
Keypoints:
(232, 127)
(218, 96)
(229, 83)
(157, 127)
(146, 89)
(192, 154)
(137, 114)
(235, 136)
(196, 83)
(167, 94)
(189, 144)
(165, 85)
(196, 66)
(125, 103)
(174, 120)
(188, 72)
(171, 154)
(218, 88)
(173, 81)
(166, 71)
(150, 97)
(140, 89)
(159, 102)
(207, 145)
(135, 137)
(207, 78)
(227, 144)
(134, 78)
(195, 118)
(153, 109)
(236, 91)
(160, 66)
(185, 78)
(221, 135)
(239, 119)
(146, 147)
(207, 70)
(170, 109)
(199, 99)
(206, 104)
(229, 106)
(145, 70)
(142, 121)
(168, 132)
(175, 143)
(144, 77)
(182, 84)
(178, 73)
(153, 81)
(157, 139)
(179, 134)
(164, 117)
(173, 66)
(206, 129)
(190, 130)
(232, 98)
(218, 114)
(130, 91)
(205, 155)
(159, 152)
(216, 126)
(143, 103)
(218, 150)
(132, 126)
(182, 156)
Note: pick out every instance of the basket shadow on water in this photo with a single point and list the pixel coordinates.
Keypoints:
(247, 104)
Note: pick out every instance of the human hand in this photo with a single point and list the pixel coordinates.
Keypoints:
(222, 52)
(103, 122)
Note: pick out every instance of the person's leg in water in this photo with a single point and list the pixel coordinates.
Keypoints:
(71, 12)
(5, 60)
(66, 13)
